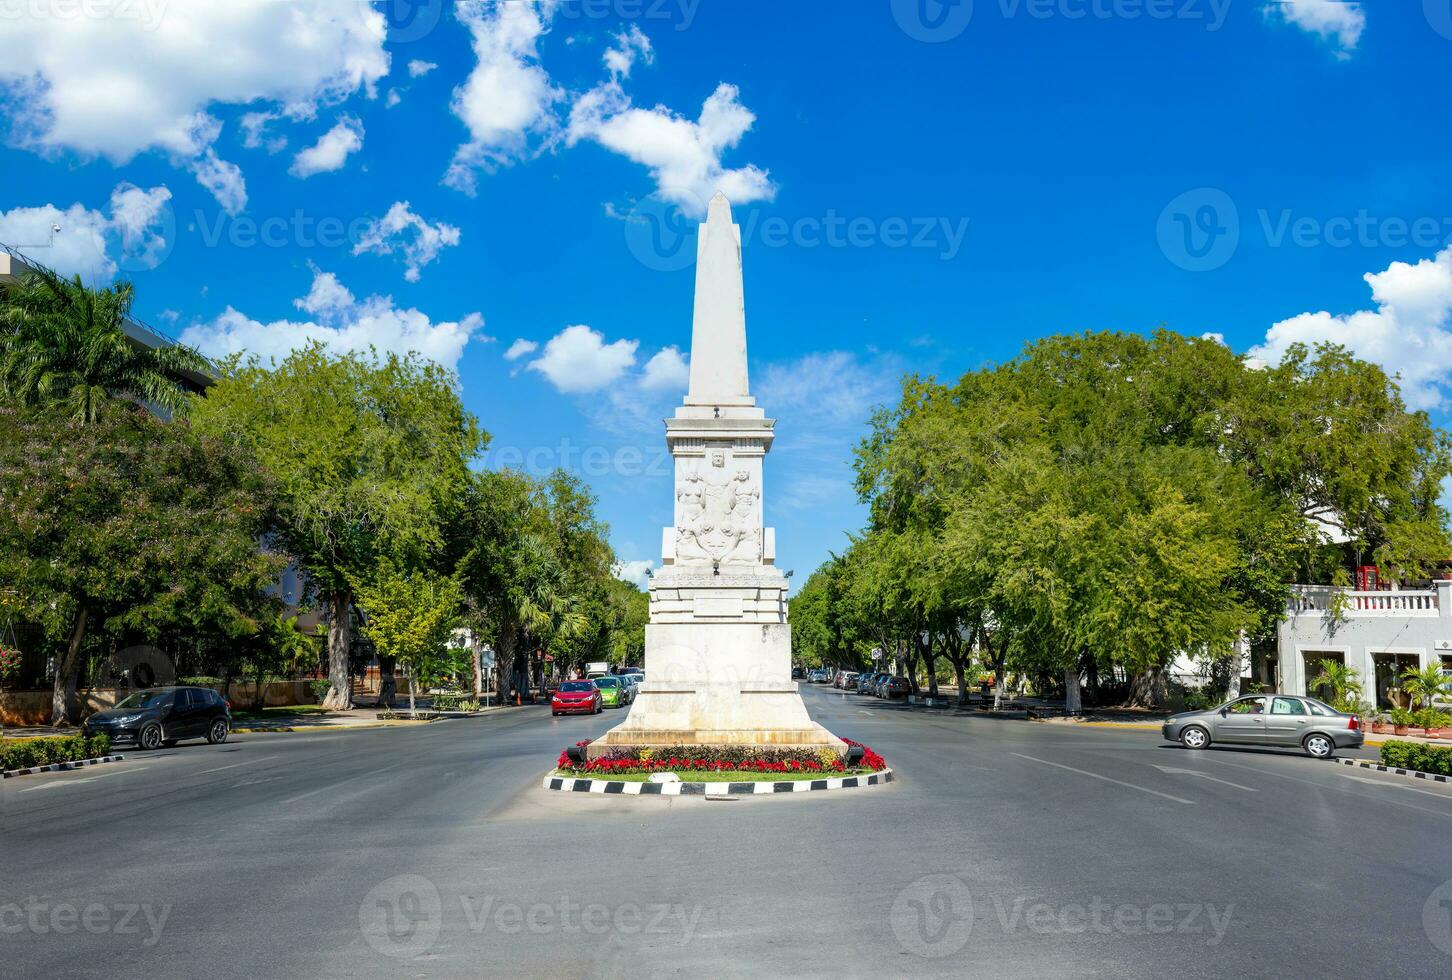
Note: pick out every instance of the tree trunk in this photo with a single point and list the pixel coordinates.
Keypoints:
(412, 688)
(259, 695)
(1073, 703)
(387, 681)
(1237, 666)
(961, 676)
(63, 692)
(1150, 689)
(1091, 680)
(477, 666)
(340, 695)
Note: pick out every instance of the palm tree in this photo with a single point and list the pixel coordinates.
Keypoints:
(1427, 684)
(63, 343)
(1341, 680)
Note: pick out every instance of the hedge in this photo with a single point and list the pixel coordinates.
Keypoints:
(30, 752)
(1414, 755)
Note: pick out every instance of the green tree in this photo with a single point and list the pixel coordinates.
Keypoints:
(1426, 684)
(410, 616)
(1341, 682)
(129, 523)
(64, 343)
(369, 454)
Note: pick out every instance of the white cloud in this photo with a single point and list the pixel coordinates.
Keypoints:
(144, 75)
(1409, 333)
(393, 99)
(577, 360)
(683, 156)
(255, 131)
(343, 323)
(402, 229)
(94, 244)
(665, 371)
(331, 151)
(832, 388)
(508, 96)
(418, 68)
(635, 572)
(629, 45)
(520, 348)
(1339, 22)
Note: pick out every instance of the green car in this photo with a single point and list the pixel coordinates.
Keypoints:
(612, 692)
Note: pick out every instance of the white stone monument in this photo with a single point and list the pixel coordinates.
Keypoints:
(718, 647)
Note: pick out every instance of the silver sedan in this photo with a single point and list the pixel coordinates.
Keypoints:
(1269, 719)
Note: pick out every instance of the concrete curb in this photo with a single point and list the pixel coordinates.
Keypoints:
(63, 766)
(569, 784)
(1414, 773)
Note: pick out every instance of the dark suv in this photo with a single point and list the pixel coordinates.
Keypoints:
(163, 716)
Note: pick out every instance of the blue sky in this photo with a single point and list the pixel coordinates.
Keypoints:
(921, 187)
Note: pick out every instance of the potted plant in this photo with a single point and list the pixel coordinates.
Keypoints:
(1401, 720)
(1381, 724)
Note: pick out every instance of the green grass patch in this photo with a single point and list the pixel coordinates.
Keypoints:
(717, 777)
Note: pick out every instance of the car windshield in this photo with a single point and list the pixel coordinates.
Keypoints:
(606, 682)
(146, 699)
(576, 687)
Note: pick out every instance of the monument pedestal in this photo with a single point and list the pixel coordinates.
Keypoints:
(718, 648)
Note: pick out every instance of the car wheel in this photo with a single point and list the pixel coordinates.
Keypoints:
(1194, 737)
(555, 714)
(149, 737)
(1318, 746)
(217, 734)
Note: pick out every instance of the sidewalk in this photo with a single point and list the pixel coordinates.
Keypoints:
(283, 720)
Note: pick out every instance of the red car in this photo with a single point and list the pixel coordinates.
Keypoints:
(576, 697)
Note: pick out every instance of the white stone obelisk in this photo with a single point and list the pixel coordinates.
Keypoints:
(718, 647)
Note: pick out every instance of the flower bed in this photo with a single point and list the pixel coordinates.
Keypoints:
(27, 753)
(719, 758)
(1436, 759)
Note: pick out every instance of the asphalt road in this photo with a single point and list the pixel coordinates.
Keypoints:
(1005, 849)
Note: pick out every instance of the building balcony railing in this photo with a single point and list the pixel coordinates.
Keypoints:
(1308, 600)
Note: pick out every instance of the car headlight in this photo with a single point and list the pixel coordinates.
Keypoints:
(127, 719)
(1172, 721)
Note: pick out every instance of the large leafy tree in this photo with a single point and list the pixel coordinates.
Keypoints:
(409, 615)
(129, 523)
(62, 342)
(369, 454)
(1109, 501)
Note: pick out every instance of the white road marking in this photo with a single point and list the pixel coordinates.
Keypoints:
(324, 789)
(1409, 789)
(234, 765)
(1312, 782)
(77, 782)
(1204, 775)
(1095, 775)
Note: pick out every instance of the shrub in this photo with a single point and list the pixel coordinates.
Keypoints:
(320, 690)
(30, 752)
(1431, 718)
(1414, 755)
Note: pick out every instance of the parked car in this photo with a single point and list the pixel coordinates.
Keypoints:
(612, 691)
(628, 685)
(575, 698)
(1269, 719)
(865, 682)
(895, 687)
(164, 716)
(818, 676)
(850, 684)
(798, 673)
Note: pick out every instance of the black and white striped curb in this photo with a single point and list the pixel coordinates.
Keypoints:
(571, 784)
(62, 766)
(1414, 773)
